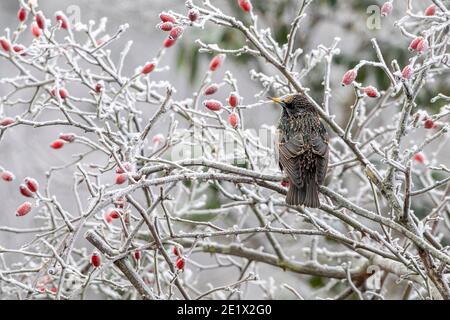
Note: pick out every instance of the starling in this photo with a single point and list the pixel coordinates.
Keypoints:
(302, 149)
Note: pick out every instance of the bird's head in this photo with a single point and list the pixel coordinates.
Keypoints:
(293, 103)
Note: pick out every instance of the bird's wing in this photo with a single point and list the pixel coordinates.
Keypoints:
(320, 147)
(288, 156)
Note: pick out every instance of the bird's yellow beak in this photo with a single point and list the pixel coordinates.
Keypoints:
(277, 100)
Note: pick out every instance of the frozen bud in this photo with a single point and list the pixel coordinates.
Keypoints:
(211, 89)
(176, 33)
(23, 209)
(6, 121)
(414, 43)
(7, 176)
(35, 30)
(216, 62)
(371, 92)
(407, 72)
(169, 42)
(431, 10)
(422, 46)
(429, 124)
(62, 20)
(96, 260)
(349, 77)
(165, 17)
(18, 48)
(121, 178)
(57, 144)
(285, 183)
(5, 44)
(126, 165)
(193, 15)
(245, 5)
(40, 20)
(386, 9)
(137, 254)
(180, 263)
(23, 189)
(419, 157)
(67, 137)
(158, 138)
(22, 14)
(233, 100)
(31, 184)
(149, 67)
(213, 105)
(166, 26)
(233, 120)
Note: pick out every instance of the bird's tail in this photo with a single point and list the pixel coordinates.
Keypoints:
(307, 195)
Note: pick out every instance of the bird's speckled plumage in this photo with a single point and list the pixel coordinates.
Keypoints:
(303, 150)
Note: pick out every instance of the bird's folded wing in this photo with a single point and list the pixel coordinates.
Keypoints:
(288, 157)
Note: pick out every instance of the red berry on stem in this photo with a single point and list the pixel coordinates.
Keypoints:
(25, 191)
(22, 14)
(180, 263)
(137, 254)
(429, 124)
(386, 9)
(40, 20)
(233, 100)
(23, 209)
(126, 166)
(371, 92)
(211, 89)
(166, 26)
(114, 213)
(35, 30)
(422, 46)
(7, 176)
(233, 119)
(62, 20)
(96, 261)
(31, 184)
(213, 105)
(285, 183)
(176, 251)
(121, 178)
(67, 137)
(6, 121)
(349, 77)
(165, 17)
(149, 67)
(5, 44)
(431, 10)
(216, 62)
(419, 157)
(176, 33)
(414, 43)
(63, 93)
(245, 5)
(407, 72)
(98, 88)
(169, 42)
(18, 48)
(57, 144)
(193, 15)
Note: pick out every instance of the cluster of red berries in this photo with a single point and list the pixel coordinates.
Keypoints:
(28, 189)
(62, 140)
(179, 262)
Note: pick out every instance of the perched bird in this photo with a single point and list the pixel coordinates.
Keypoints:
(302, 149)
